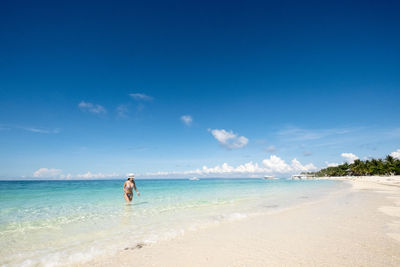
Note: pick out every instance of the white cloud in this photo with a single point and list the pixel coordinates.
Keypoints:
(229, 139)
(396, 154)
(92, 108)
(187, 119)
(272, 165)
(276, 164)
(122, 111)
(297, 166)
(349, 157)
(331, 164)
(47, 173)
(140, 96)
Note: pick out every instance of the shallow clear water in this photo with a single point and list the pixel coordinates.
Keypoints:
(52, 222)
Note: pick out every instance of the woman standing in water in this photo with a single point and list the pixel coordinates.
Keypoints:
(128, 187)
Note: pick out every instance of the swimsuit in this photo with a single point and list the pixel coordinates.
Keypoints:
(130, 195)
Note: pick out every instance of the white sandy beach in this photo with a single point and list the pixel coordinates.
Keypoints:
(359, 226)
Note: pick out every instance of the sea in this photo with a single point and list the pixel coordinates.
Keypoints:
(56, 223)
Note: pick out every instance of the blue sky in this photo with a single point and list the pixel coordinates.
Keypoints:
(98, 90)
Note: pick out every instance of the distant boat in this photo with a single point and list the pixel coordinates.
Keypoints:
(194, 178)
(268, 177)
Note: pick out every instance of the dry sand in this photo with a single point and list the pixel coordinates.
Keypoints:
(359, 226)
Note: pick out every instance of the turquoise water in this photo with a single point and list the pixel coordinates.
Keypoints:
(50, 223)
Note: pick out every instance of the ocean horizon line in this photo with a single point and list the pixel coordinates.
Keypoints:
(123, 179)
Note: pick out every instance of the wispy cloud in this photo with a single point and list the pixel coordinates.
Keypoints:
(29, 129)
(229, 139)
(43, 131)
(187, 119)
(299, 134)
(4, 128)
(369, 146)
(122, 111)
(270, 149)
(92, 108)
(141, 96)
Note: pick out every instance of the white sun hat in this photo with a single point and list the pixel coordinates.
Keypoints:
(131, 175)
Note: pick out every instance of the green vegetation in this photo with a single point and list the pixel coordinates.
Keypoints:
(388, 166)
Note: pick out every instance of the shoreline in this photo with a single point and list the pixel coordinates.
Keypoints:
(356, 226)
(390, 180)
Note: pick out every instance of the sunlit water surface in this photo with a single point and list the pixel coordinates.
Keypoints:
(65, 222)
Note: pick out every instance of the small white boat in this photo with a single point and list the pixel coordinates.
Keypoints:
(268, 177)
(194, 178)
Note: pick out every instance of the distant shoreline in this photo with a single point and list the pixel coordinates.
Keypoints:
(390, 165)
(387, 180)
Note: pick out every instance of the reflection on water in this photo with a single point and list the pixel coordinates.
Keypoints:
(139, 203)
(127, 214)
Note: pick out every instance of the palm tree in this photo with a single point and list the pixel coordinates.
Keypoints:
(368, 167)
(397, 167)
(374, 169)
(381, 167)
(390, 165)
(357, 167)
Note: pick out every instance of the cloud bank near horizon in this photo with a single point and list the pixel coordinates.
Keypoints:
(271, 165)
(57, 174)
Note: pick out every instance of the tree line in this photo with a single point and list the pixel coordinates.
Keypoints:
(387, 166)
